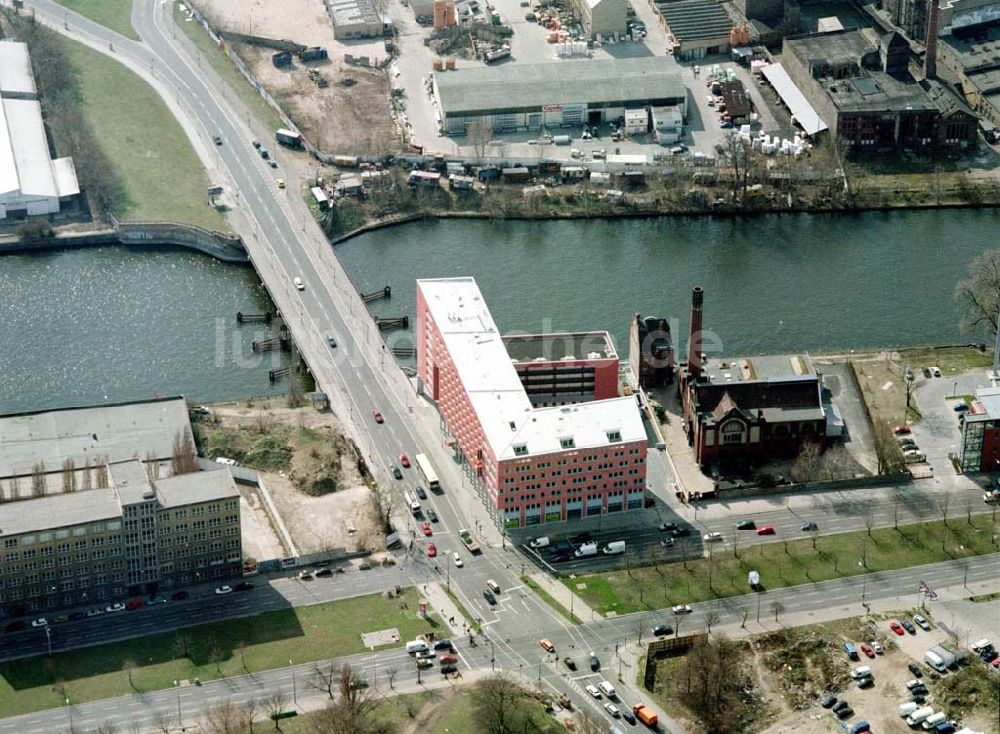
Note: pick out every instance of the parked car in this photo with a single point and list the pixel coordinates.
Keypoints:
(95, 612)
(828, 702)
(569, 663)
(666, 527)
(224, 590)
(457, 559)
(936, 371)
(432, 550)
(595, 663)
(322, 572)
(915, 669)
(876, 647)
(901, 430)
(60, 619)
(867, 650)
(908, 626)
(866, 682)
(243, 586)
(133, 604)
(16, 626)
(443, 645)
(921, 621)
(960, 407)
(431, 515)
(489, 597)
(305, 574)
(40, 622)
(117, 607)
(713, 537)
(425, 528)
(682, 609)
(896, 627)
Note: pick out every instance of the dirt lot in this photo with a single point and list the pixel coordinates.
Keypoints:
(295, 448)
(351, 115)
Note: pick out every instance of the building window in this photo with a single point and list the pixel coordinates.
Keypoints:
(732, 432)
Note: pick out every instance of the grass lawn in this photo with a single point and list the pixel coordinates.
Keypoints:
(549, 599)
(788, 564)
(163, 178)
(113, 14)
(272, 639)
(227, 70)
(393, 712)
(952, 361)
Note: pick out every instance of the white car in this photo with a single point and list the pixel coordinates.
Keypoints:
(921, 621)
(299, 284)
(612, 709)
(119, 607)
(457, 559)
(936, 371)
(876, 647)
(592, 690)
(224, 590)
(713, 537)
(40, 622)
(682, 609)
(95, 612)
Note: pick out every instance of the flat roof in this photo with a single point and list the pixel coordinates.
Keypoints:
(202, 486)
(65, 175)
(16, 76)
(487, 375)
(118, 432)
(693, 20)
(347, 12)
(765, 367)
(32, 164)
(58, 511)
(9, 181)
(533, 86)
(791, 95)
(560, 347)
(988, 399)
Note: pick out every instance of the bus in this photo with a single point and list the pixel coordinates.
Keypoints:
(430, 476)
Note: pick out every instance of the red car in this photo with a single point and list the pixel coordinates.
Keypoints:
(133, 604)
(448, 659)
(426, 527)
(431, 550)
(901, 430)
(897, 628)
(404, 460)
(765, 530)
(378, 417)
(867, 651)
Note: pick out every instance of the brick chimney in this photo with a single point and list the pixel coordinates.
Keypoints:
(694, 338)
(930, 44)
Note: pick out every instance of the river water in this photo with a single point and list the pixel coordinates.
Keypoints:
(85, 326)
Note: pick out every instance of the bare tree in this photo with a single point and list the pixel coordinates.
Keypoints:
(241, 650)
(275, 702)
(69, 475)
(711, 618)
(108, 727)
(806, 467)
(711, 684)
(129, 666)
(978, 296)
(216, 655)
(777, 607)
(869, 519)
(38, 479)
(943, 505)
(325, 677)
(183, 458)
(587, 721)
(162, 722)
(390, 675)
(182, 645)
(352, 710)
(15, 489)
(479, 134)
(88, 480)
(225, 717)
(499, 705)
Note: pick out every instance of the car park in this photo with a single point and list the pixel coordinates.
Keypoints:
(662, 629)
(592, 690)
(546, 645)
(908, 626)
(224, 590)
(766, 530)
(432, 550)
(569, 663)
(425, 528)
(457, 559)
(682, 609)
(243, 586)
(612, 710)
(489, 597)
(595, 663)
(921, 621)
(746, 525)
(118, 607)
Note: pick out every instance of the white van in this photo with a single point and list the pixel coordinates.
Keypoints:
(614, 548)
(932, 721)
(539, 542)
(861, 671)
(919, 715)
(935, 661)
(907, 708)
(416, 646)
(979, 645)
(607, 689)
(587, 549)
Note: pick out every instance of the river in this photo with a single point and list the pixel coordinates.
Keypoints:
(109, 324)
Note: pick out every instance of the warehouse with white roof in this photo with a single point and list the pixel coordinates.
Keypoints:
(31, 182)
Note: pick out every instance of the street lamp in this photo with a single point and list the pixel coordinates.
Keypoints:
(292, 666)
(48, 638)
(180, 717)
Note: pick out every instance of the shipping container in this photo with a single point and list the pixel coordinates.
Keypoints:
(316, 53)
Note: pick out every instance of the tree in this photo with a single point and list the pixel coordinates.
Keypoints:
(352, 710)
(183, 457)
(38, 479)
(806, 467)
(162, 722)
(479, 134)
(69, 475)
(182, 645)
(711, 618)
(943, 505)
(274, 703)
(890, 458)
(225, 717)
(241, 650)
(129, 666)
(711, 682)
(587, 721)
(390, 675)
(741, 159)
(216, 655)
(499, 706)
(777, 607)
(324, 678)
(869, 519)
(978, 296)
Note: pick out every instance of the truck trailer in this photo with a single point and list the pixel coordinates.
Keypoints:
(645, 714)
(289, 137)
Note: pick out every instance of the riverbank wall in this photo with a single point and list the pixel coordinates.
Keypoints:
(226, 248)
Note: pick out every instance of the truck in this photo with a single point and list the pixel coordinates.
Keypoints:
(496, 54)
(314, 53)
(282, 58)
(645, 714)
(587, 549)
(470, 543)
(288, 137)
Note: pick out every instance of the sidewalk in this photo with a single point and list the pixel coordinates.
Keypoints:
(562, 594)
(439, 601)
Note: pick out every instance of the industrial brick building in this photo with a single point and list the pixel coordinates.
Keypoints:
(981, 433)
(651, 351)
(860, 85)
(123, 530)
(530, 464)
(744, 412)
(31, 182)
(528, 96)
